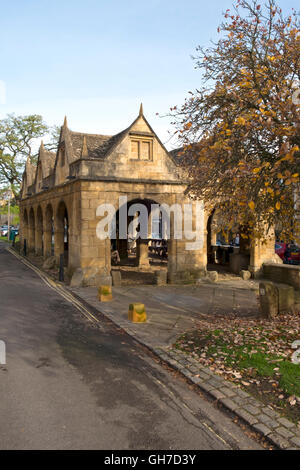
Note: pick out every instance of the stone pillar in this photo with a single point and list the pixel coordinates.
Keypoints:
(262, 251)
(47, 245)
(31, 238)
(58, 243)
(95, 255)
(187, 257)
(142, 253)
(213, 236)
(22, 231)
(211, 243)
(39, 241)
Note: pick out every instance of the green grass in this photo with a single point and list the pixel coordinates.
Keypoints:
(247, 358)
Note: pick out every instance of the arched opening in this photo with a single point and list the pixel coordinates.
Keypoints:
(61, 234)
(139, 250)
(31, 231)
(25, 230)
(39, 232)
(223, 242)
(48, 248)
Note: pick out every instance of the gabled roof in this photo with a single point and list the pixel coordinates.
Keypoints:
(29, 172)
(46, 161)
(96, 144)
(100, 146)
(83, 145)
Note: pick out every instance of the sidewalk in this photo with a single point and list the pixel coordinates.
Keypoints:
(173, 310)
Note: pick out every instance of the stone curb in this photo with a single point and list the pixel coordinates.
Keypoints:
(279, 431)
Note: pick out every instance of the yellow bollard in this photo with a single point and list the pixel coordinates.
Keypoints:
(137, 313)
(105, 293)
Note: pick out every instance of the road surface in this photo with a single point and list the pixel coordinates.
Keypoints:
(68, 384)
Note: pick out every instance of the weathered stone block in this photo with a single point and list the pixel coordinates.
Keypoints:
(286, 274)
(116, 278)
(160, 278)
(50, 263)
(245, 275)
(213, 276)
(275, 298)
(104, 279)
(269, 301)
(238, 262)
(77, 278)
(286, 300)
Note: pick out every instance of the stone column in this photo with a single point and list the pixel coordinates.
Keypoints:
(31, 238)
(142, 253)
(58, 243)
(22, 235)
(39, 241)
(47, 243)
(187, 257)
(263, 251)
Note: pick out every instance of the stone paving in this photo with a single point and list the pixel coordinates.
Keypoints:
(173, 310)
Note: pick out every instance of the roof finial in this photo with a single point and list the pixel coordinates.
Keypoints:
(141, 113)
(84, 151)
(65, 122)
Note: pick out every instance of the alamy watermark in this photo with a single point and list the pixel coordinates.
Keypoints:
(177, 222)
(2, 353)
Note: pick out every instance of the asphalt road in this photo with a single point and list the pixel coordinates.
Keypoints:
(68, 384)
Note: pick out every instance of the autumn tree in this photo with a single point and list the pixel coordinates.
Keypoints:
(18, 136)
(239, 132)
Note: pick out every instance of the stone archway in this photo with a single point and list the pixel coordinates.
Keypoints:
(211, 238)
(39, 232)
(135, 250)
(61, 233)
(48, 244)
(31, 231)
(24, 233)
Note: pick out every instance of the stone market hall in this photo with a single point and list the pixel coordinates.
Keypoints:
(61, 194)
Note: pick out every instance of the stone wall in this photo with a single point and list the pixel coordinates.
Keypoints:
(183, 264)
(285, 274)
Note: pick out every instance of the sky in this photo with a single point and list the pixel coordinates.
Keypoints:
(96, 61)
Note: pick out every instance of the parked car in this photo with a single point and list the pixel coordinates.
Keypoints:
(4, 230)
(294, 258)
(295, 255)
(280, 249)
